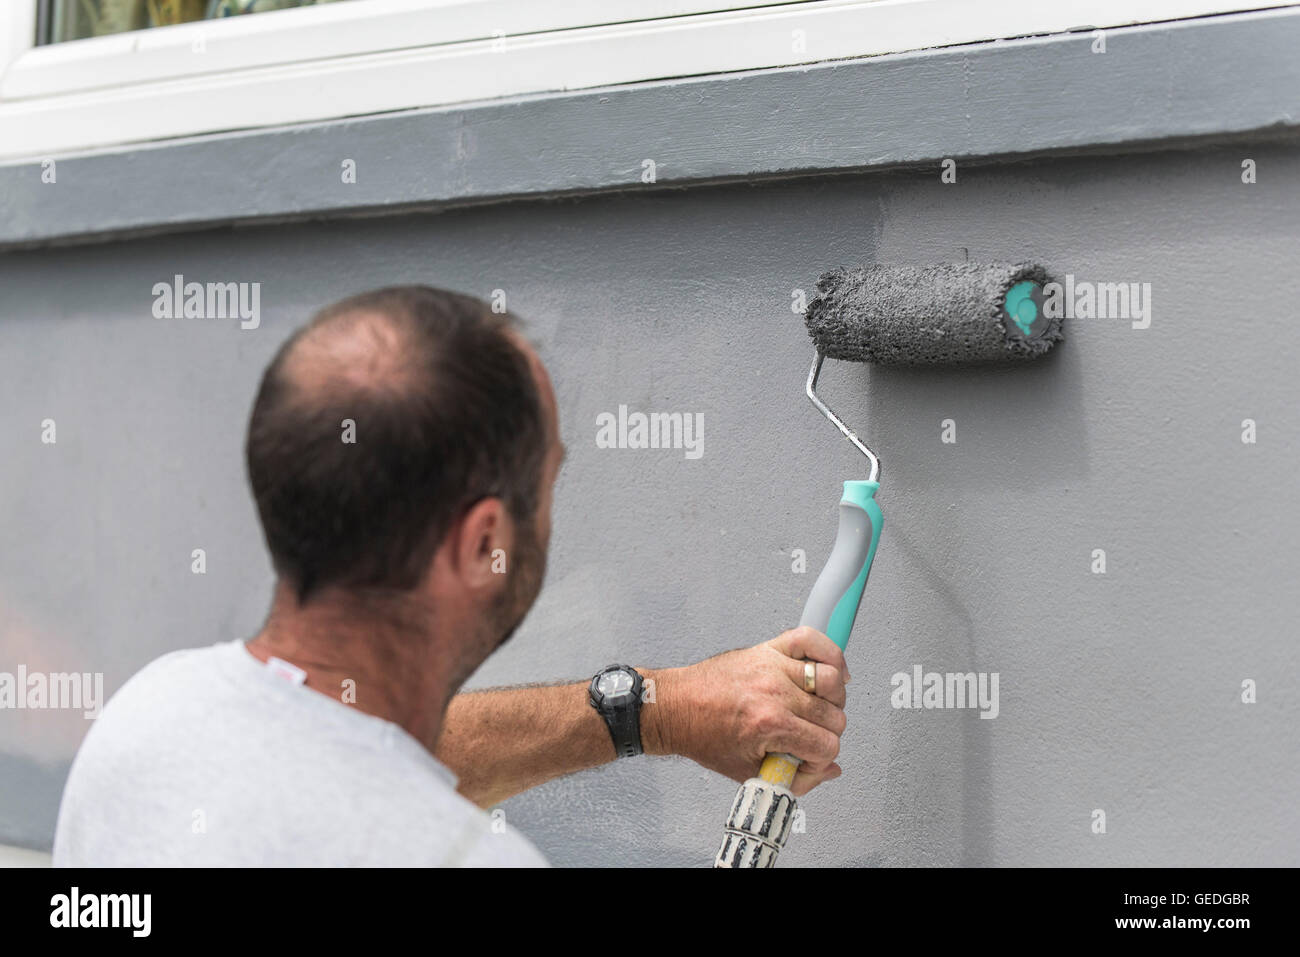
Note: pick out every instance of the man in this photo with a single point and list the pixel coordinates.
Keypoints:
(402, 451)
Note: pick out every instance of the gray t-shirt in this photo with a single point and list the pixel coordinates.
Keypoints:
(207, 757)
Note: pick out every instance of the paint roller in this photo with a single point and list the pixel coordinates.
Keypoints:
(895, 316)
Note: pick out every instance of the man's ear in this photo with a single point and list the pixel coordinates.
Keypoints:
(481, 543)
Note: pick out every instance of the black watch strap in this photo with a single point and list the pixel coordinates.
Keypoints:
(625, 728)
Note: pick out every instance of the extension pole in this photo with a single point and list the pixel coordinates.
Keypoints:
(760, 817)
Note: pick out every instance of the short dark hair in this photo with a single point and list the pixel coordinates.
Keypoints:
(455, 417)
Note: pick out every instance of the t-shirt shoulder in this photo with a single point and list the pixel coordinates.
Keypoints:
(158, 732)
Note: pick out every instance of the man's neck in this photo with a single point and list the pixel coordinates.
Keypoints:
(378, 656)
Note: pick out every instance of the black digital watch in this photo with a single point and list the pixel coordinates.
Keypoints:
(615, 692)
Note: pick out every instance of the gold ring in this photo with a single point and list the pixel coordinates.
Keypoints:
(810, 677)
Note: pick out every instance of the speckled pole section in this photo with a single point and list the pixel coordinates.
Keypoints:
(931, 315)
(757, 826)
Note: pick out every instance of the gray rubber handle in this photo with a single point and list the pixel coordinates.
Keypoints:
(833, 603)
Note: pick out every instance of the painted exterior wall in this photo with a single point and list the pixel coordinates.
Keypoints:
(1118, 692)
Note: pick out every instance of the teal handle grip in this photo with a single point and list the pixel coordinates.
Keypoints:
(833, 604)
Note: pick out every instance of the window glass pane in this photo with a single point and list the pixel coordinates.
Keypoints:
(76, 19)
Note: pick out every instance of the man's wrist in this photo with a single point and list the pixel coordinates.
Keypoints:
(658, 709)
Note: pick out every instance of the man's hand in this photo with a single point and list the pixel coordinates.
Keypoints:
(728, 711)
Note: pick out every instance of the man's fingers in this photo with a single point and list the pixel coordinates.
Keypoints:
(805, 642)
(805, 781)
(829, 679)
(781, 717)
(824, 714)
(806, 740)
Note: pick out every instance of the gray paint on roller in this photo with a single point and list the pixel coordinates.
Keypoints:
(1192, 78)
(1117, 691)
(926, 315)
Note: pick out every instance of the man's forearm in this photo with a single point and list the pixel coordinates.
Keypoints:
(724, 713)
(505, 740)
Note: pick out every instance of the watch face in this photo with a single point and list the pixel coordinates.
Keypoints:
(614, 684)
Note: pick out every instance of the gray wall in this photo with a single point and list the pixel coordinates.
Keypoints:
(1118, 692)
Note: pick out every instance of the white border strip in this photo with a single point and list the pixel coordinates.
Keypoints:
(318, 33)
(571, 59)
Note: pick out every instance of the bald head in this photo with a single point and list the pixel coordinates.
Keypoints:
(382, 420)
(361, 351)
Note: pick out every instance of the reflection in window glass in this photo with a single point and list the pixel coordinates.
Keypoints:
(76, 19)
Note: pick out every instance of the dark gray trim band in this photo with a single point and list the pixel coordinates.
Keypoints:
(1211, 76)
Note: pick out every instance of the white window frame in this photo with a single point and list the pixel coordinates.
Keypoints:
(372, 56)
